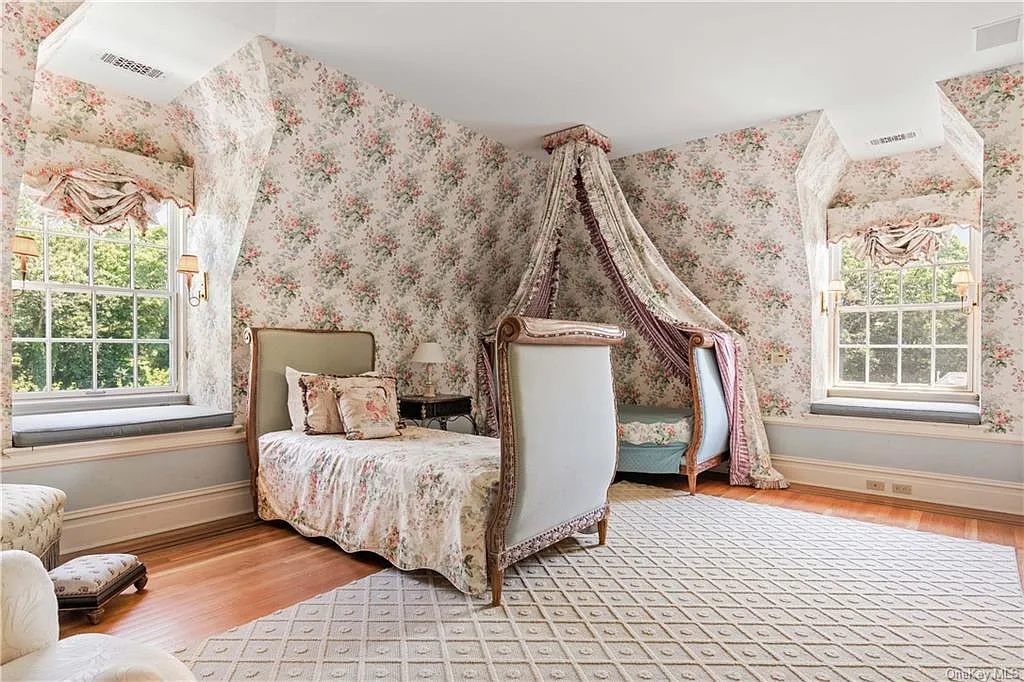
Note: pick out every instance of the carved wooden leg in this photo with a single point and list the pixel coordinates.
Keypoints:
(497, 576)
(691, 481)
(140, 584)
(602, 531)
(95, 615)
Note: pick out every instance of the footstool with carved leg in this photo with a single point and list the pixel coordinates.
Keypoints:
(88, 582)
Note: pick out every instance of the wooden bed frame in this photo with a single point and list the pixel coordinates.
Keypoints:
(690, 467)
(309, 350)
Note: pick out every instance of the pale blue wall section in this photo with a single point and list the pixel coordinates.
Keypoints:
(995, 460)
(98, 482)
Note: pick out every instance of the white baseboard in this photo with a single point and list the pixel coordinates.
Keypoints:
(958, 491)
(111, 523)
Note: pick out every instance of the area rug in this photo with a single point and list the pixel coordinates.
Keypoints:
(687, 588)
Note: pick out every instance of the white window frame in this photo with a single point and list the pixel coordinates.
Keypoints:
(969, 394)
(42, 401)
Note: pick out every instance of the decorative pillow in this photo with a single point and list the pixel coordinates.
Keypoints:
(295, 410)
(369, 411)
(320, 399)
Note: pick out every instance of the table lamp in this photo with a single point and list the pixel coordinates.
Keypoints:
(429, 353)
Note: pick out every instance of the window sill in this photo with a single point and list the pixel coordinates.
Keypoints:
(114, 448)
(903, 410)
(76, 427)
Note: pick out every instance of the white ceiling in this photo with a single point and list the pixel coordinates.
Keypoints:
(647, 75)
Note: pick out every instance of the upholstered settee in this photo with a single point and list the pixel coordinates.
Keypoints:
(31, 518)
(30, 630)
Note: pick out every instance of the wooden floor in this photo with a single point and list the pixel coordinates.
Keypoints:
(201, 587)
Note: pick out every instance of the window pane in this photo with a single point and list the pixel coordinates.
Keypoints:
(856, 288)
(916, 365)
(150, 268)
(33, 266)
(852, 363)
(917, 285)
(112, 263)
(950, 327)
(72, 315)
(883, 328)
(69, 259)
(29, 366)
(114, 317)
(885, 287)
(155, 234)
(29, 314)
(954, 249)
(883, 365)
(850, 260)
(154, 318)
(951, 367)
(853, 328)
(58, 223)
(115, 365)
(154, 364)
(945, 290)
(72, 366)
(917, 328)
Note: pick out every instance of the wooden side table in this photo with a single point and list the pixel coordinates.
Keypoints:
(439, 408)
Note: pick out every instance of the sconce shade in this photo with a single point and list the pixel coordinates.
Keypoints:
(24, 246)
(188, 264)
(962, 277)
(837, 286)
(428, 352)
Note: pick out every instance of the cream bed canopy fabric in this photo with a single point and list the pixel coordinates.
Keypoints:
(660, 306)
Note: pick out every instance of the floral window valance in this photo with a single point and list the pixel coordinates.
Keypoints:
(99, 187)
(900, 231)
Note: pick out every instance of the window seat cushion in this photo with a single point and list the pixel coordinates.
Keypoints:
(68, 427)
(909, 410)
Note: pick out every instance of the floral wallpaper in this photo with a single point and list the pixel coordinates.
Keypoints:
(369, 213)
(228, 135)
(723, 211)
(66, 108)
(25, 25)
(938, 170)
(993, 102)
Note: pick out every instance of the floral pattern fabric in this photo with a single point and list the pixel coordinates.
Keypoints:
(656, 433)
(369, 412)
(420, 500)
(31, 519)
(90, 574)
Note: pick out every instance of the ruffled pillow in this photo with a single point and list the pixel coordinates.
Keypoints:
(320, 399)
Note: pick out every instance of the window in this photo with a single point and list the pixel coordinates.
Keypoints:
(96, 313)
(901, 330)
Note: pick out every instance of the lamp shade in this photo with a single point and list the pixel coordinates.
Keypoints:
(428, 352)
(962, 277)
(188, 264)
(24, 246)
(837, 285)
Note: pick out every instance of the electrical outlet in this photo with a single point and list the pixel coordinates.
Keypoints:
(777, 358)
(901, 489)
(876, 485)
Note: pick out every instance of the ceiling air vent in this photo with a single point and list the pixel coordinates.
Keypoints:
(999, 33)
(130, 65)
(889, 139)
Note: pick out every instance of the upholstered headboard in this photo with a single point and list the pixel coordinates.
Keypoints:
(307, 350)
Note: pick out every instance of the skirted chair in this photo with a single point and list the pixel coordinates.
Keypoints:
(31, 519)
(30, 631)
(559, 442)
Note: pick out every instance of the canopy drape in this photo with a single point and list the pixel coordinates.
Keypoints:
(660, 306)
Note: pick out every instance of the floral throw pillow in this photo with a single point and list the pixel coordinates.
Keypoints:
(369, 411)
(320, 399)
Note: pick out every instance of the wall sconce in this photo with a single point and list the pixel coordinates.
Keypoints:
(962, 280)
(831, 297)
(25, 248)
(188, 265)
(429, 353)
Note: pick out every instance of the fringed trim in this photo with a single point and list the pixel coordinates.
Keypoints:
(774, 481)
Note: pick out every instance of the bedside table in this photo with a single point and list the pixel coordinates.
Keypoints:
(440, 408)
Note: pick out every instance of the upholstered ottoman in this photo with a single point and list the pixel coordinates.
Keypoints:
(88, 582)
(31, 517)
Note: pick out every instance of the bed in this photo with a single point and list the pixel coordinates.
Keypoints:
(665, 440)
(420, 500)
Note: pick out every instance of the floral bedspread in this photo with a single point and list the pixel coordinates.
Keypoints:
(420, 500)
(657, 433)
